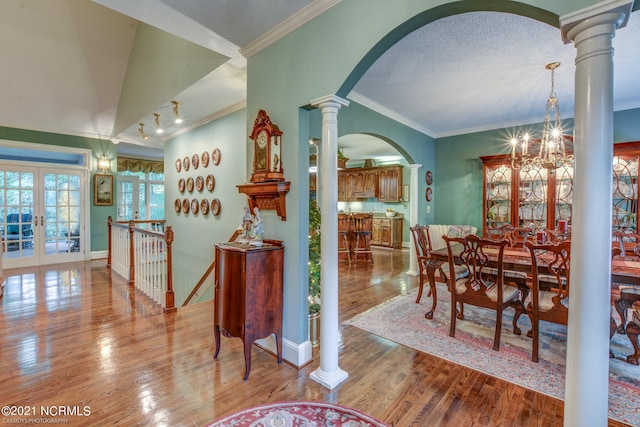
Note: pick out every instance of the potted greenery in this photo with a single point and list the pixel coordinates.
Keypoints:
(342, 159)
(314, 272)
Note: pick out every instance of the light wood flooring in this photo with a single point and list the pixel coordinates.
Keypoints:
(72, 336)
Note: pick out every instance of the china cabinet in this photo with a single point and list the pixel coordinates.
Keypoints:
(538, 198)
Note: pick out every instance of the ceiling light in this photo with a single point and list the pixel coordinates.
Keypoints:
(176, 113)
(141, 130)
(549, 150)
(158, 127)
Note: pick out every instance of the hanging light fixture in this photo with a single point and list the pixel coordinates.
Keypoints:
(176, 113)
(157, 120)
(550, 150)
(141, 130)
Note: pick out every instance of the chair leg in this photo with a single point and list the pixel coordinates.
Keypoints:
(612, 331)
(622, 304)
(452, 327)
(498, 331)
(633, 330)
(420, 289)
(535, 337)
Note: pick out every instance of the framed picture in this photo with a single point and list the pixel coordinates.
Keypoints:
(103, 190)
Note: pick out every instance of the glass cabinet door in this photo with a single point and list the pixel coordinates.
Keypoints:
(497, 195)
(564, 194)
(533, 198)
(625, 193)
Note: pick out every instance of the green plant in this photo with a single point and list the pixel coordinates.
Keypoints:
(341, 155)
(314, 257)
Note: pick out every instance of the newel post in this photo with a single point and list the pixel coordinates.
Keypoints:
(109, 221)
(170, 306)
(132, 268)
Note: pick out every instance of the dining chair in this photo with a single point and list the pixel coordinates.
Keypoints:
(549, 288)
(627, 297)
(477, 289)
(422, 243)
(517, 237)
(344, 230)
(633, 332)
(362, 229)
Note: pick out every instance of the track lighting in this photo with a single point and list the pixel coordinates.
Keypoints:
(176, 113)
(141, 130)
(158, 127)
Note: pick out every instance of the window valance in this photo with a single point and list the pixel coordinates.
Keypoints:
(140, 165)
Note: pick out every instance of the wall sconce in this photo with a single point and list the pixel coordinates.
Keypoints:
(176, 113)
(141, 130)
(104, 164)
(158, 127)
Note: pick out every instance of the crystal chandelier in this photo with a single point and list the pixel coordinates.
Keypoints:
(550, 150)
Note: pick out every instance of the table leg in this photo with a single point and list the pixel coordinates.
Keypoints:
(622, 304)
(216, 334)
(432, 267)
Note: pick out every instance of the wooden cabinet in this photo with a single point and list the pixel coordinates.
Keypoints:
(384, 182)
(538, 198)
(248, 295)
(390, 184)
(387, 232)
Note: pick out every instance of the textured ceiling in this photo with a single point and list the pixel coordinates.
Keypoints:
(469, 72)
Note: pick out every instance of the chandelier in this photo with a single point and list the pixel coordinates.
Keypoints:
(548, 151)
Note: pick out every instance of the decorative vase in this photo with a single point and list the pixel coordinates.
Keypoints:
(314, 329)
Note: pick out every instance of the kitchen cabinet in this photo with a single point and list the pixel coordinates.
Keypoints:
(539, 198)
(248, 295)
(387, 231)
(390, 183)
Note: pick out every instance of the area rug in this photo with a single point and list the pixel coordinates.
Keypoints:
(294, 414)
(402, 320)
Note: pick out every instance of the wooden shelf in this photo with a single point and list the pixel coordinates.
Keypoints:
(267, 196)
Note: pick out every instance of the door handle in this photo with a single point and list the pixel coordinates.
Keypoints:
(41, 220)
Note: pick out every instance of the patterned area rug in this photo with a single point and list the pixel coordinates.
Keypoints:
(294, 414)
(402, 320)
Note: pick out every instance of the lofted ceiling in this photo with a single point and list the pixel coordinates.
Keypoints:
(67, 67)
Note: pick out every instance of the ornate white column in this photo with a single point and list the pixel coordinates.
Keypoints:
(413, 219)
(329, 374)
(587, 373)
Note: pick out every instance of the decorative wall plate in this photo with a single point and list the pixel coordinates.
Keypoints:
(181, 185)
(178, 165)
(204, 207)
(177, 205)
(215, 207)
(428, 194)
(199, 183)
(215, 156)
(429, 178)
(190, 184)
(195, 161)
(194, 206)
(185, 205)
(211, 182)
(185, 163)
(204, 159)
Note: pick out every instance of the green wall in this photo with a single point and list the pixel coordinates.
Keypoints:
(98, 214)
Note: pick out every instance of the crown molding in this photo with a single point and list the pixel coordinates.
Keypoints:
(372, 105)
(295, 21)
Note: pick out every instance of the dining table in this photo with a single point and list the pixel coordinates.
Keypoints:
(623, 272)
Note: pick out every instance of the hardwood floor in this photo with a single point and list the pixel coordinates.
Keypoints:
(72, 336)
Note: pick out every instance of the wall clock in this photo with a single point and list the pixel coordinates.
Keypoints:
(267, 150)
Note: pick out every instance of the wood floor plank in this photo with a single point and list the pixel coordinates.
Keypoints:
(74, 334)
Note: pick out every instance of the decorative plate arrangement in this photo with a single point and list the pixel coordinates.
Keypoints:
(190, 184)
(215, 156)
(195, 161)
(429, 178)
(181, 185)
(186, 163)
(204, 159)
(215, 207)
(204, 207)
(194, 206)
(178, 165)
(199, 183)
(177, 205)
(211, 182)
(185, 205)
(428, 194)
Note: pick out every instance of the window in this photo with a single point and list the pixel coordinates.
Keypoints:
(151, 194)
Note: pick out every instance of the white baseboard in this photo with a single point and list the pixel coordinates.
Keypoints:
(99, 254)
(296, 354)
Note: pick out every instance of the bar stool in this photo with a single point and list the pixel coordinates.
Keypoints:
(344, 231)
(362, 226)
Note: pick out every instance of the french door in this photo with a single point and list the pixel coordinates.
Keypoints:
(42, 215)
(128, 198)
